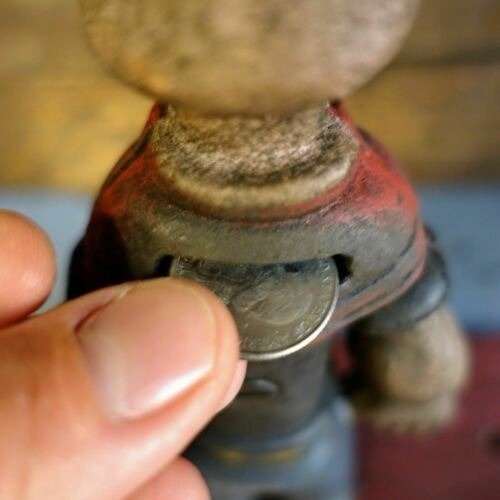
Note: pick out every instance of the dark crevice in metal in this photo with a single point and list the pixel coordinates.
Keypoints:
(163, 266)
(344, 267)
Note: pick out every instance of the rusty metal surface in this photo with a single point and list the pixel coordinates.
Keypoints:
(369, 222)
(420, 301)
(459, 215)
(251, 168)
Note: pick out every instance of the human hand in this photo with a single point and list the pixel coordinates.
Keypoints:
(99, 397)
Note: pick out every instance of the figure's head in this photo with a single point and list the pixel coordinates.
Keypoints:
(248, 57)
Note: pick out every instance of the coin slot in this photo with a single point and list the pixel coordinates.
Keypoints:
(163, 266)
(277, 312)
(292, 268)
(344, 267)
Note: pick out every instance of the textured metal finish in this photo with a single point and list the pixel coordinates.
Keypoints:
(279, 309)
(369, 223)
(303, 386)
(315, 462)
(278, 216)
(247, 57)
(420, 301)
(239, 167)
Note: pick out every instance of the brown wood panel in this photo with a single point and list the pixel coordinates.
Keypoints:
(442, 122)
(63, 120)
(454, 30)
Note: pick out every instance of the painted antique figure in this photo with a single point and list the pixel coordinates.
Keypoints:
(251, 178)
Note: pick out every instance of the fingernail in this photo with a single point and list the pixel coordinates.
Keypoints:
(149, 347)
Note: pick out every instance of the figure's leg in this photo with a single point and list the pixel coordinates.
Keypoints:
(410, 357)
(314, 462)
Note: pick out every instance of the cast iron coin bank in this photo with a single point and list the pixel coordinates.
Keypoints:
(251, 178)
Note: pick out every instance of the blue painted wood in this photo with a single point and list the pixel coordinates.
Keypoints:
(467, 222)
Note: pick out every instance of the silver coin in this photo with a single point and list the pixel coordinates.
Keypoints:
(279, 308)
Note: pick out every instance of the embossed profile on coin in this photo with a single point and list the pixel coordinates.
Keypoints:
(278, 308)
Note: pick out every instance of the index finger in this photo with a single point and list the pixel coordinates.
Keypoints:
(27, 267)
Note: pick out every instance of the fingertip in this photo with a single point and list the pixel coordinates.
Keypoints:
(27, 266)
(226, 326)
(180, 481)
(236, 383)
(229, 370)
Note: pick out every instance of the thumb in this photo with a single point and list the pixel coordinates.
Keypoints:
(99, 395)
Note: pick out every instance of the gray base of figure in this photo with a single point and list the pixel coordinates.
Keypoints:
(314, 463)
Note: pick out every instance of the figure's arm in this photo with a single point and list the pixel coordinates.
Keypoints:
(410, 358)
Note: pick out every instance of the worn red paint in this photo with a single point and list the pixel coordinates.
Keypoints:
(375, 183)
(374, 195)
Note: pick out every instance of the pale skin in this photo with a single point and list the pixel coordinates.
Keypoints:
(100, 396)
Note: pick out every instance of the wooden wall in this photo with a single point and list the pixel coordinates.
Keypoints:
(64, 121)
